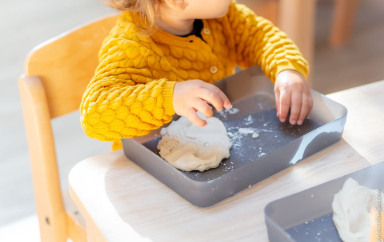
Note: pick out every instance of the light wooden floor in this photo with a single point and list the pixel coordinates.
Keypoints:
(25, 24)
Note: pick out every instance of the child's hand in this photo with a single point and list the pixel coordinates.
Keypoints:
(194, 95)
(291, 90)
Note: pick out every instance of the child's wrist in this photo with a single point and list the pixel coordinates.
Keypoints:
(167, 93)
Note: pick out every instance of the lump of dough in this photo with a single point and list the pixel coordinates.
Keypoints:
(189, 147)
(352, 207)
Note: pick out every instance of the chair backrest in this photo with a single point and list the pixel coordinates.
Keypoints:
(67, 63)
(56, 75)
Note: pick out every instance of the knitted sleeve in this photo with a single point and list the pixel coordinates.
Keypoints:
(122, 100)
(259, 42)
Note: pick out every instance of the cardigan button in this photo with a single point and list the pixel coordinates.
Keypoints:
(213, 69)
(206, 31)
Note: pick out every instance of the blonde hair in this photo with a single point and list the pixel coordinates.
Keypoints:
(144, 8)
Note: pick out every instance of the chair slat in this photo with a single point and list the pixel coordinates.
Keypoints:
(67, 63)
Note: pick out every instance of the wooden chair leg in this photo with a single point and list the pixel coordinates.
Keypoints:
(344, 15)
(297, 19)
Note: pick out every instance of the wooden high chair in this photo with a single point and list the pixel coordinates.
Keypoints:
(56, 75)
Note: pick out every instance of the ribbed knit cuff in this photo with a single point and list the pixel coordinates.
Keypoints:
(117, 145)
(303, 71)
(167, 93)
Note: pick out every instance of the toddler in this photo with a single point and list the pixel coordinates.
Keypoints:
(162, 57)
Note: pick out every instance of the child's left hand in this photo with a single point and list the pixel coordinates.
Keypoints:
(291, 90)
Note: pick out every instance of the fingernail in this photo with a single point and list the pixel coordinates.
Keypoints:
(282, 120)
(229, 107)
(293, 122)
(300, 122)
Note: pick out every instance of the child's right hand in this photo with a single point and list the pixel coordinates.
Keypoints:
(194, 95)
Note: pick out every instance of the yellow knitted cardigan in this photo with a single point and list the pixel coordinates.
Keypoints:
(132, 89)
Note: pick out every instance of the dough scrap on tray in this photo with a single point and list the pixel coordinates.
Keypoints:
(353, 207)
(189, 147)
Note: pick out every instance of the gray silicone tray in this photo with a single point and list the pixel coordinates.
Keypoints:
(307, 215)
(278, 146)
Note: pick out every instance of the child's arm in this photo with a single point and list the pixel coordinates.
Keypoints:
(258, 42)
(123, 100)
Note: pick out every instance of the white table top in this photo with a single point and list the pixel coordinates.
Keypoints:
(364, 129)
(121, 202)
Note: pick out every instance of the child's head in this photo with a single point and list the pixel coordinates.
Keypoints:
(189, 9)
(146, 9)
(199, 9)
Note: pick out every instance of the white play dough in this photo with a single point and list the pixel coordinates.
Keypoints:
(189, 147)
(352, 207)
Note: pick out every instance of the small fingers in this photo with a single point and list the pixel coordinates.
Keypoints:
(296, 106)
(212, 98)
(310, 102)
(285, 98)
(194, 118)
(277, 105)
(226, 103)
(306, 108)
(203, 107)
(303, 111)
(216, 97)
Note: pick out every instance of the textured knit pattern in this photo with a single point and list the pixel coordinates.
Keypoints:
(131, 92)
